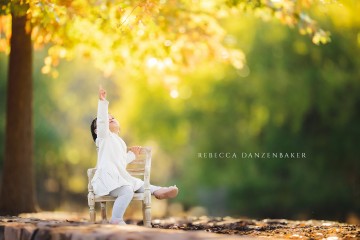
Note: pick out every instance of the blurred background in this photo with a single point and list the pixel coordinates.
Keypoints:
(291, 96)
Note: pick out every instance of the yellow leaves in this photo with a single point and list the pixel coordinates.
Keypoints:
(79, 7)
(47, 20)
(237, 58)
(266, 14)
(46, 69)
(159, 38)
(55, 53)
(35, 11)
(47, 60)
(159, 64)
(321, 37)
(5, 33)
(293, 13)
(18, 8)
(149, 7)
(305, 3)
(306, 30)
(309, 27)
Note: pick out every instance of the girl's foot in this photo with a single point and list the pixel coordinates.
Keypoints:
(117, 222)
(166, 192)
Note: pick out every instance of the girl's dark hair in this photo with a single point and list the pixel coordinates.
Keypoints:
(92, 128)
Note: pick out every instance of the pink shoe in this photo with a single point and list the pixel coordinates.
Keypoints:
(166, 192)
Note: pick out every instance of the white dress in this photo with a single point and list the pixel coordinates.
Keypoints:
(112, 157)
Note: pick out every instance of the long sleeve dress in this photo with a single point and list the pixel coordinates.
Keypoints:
(112, 159)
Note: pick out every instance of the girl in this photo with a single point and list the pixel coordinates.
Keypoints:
(111, 177)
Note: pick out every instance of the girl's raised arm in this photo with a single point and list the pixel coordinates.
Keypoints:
(102, 93)
(102, 115)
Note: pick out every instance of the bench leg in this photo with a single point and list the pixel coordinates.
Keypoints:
(146, 208)
(103, 212)
(91, 202)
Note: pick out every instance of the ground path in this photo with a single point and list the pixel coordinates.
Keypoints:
(66, 226)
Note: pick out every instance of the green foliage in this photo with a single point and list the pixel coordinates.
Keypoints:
(63, 110)
(17, 7)
(297, 98)
(5, 7)
(292, 97)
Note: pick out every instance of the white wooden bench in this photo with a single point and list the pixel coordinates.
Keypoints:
(141, 166)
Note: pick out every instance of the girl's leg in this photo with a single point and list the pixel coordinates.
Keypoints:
(123, 196)
(161, 192)
(153, 188)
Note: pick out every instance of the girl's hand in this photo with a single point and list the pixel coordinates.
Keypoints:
(102, 93)
(136, 150)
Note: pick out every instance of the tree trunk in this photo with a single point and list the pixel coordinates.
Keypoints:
(17, 192)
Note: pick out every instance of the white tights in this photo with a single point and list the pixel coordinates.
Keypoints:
(123, 196)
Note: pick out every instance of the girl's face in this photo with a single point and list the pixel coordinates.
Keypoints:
(113, 124)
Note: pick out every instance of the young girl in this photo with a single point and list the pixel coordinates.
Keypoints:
(111, 177)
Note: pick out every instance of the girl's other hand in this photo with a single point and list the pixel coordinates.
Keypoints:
(102, 93)
(136, 150)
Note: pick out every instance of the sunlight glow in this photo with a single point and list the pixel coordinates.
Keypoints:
(174, 93)
(151, 62)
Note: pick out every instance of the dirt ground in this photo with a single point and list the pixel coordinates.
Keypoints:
(274, 228)
(227, 226)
